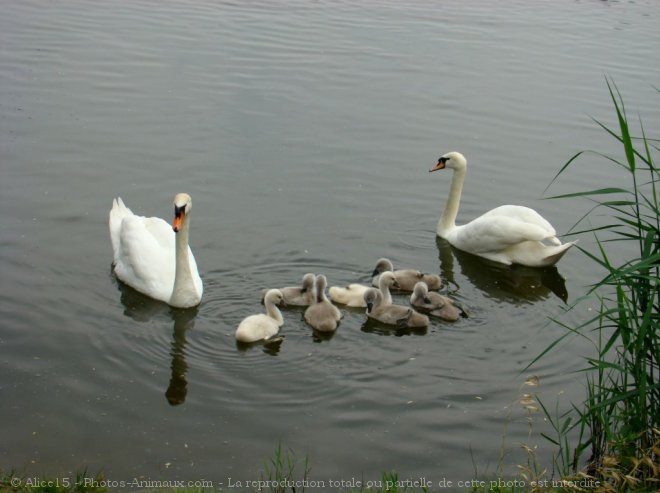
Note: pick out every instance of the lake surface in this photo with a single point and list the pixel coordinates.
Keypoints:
(304, 132)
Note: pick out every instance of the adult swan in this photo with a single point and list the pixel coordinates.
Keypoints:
(153, 257)
(510, 234)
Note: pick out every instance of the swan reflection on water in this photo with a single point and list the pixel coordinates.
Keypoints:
(515, 283)
(142, 309)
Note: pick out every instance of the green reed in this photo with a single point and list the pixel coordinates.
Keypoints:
(619, 419)
(281, 472)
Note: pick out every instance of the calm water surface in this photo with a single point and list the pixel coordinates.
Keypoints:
(304, 132)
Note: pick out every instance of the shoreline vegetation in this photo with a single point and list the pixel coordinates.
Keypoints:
(610, 442)
(613, 436)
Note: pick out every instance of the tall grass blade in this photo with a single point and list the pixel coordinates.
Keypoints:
(620, 416)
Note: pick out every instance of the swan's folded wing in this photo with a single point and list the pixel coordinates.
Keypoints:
(492, 233)
(160, 231)
(117, 214)
(525, 215)
(146, 256)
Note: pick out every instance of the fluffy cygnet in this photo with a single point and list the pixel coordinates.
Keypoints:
(434, 303)
(400, 316)
(407, 278)
(297, 295)
(322, 315)
(263, 325)
(353, 294)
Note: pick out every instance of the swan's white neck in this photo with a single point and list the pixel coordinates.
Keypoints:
(447, 221)
(274, 312)
(184, 292)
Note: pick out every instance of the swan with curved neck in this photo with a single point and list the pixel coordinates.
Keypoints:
(153, 257)
(510, 234)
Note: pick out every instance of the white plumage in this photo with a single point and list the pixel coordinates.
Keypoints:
(151, 258)
(262, 326)
(510, 234)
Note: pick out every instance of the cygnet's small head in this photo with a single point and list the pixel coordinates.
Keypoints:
(383, 265)
(308, 282)
(389, 279)
(420, 292)
(452, 160)
(372, 298)
(421, 289)
(182, 207)
(275, 297)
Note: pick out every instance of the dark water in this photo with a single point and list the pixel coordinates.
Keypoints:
(304, 132)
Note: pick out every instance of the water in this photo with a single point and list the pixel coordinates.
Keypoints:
(304, 132)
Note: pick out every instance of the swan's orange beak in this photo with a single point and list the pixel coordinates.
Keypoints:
(177, 223)
(439, 165)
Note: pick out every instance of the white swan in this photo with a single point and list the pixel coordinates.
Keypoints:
(153, 257)
(263, 325)
(353, 294)
(510, 234)
(322, 315)
(407, 278)
(397, 315)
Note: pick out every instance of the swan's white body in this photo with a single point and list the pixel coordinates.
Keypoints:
(510, 234)
(151, 258)
(263, 325)
(353, 294)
